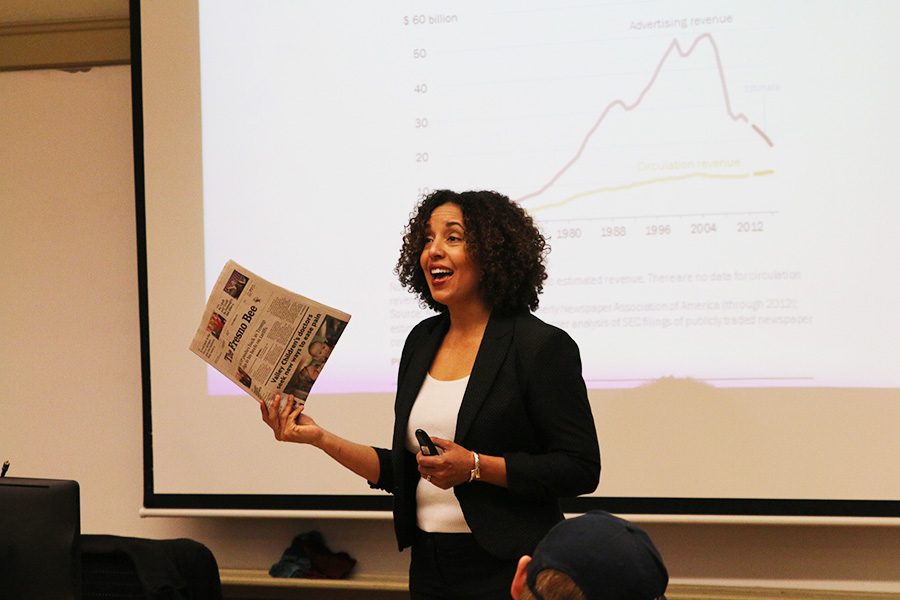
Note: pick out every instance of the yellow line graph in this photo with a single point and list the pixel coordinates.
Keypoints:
(652, 181)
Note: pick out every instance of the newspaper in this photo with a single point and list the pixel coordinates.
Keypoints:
(265, 338)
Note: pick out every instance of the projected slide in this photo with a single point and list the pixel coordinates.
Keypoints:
(715, 179)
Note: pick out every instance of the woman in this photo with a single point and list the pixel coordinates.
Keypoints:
(500, 391)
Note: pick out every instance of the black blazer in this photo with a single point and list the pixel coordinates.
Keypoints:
(526, 401)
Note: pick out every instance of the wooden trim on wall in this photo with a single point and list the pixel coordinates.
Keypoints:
(71, 44)
(722, 592)
(258, 585)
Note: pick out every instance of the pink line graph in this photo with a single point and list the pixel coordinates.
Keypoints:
(674, 46)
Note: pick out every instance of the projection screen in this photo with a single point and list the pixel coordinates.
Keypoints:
(718, 184)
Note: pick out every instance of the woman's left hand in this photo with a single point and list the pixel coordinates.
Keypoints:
(450, 468)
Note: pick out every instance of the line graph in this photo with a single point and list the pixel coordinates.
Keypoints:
(674, 47)
(651, 181)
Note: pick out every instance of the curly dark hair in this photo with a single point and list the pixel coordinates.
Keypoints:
(502, 240)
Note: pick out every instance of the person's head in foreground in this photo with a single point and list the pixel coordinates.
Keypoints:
(595, 556)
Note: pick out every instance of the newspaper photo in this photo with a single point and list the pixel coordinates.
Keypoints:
(265, 338)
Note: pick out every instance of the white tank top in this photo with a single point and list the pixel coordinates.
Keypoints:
(435, 411)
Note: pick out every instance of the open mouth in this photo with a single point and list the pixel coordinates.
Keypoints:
(440, 275)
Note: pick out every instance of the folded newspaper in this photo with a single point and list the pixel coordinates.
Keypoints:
(265, 338)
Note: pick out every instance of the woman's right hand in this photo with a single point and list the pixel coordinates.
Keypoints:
(289, 423)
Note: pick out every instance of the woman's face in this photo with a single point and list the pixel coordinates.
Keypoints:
(451, 275)
(313, 370)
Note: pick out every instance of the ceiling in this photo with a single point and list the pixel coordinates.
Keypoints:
(31, 11)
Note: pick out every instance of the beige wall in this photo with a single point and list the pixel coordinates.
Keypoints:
(71, 399)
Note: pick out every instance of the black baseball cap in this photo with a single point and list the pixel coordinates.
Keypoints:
(608, 558)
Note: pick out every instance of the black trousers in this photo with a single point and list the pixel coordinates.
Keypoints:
(452, 566)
